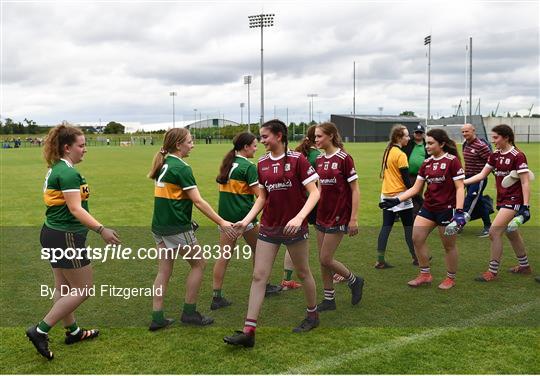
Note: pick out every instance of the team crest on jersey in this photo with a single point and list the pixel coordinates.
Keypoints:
(287, 167)
(334, 165)
(326, 165)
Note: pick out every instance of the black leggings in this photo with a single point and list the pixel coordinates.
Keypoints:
(407, 219)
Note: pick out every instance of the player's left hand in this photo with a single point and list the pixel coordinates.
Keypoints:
(353, 228)
(228, 229)
(525, 211)
(459, 218)
(293, 226)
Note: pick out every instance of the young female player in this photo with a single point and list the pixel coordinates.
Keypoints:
(336, 213)
(395, 175)
(284, 177)
(512, 201)
(175, 193)
(443, 203)
(238, 184)
(66, 225)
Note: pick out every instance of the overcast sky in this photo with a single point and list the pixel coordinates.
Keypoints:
(83, 61)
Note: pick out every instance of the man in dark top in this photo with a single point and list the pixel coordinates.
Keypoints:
(475, 154)
(416, 154)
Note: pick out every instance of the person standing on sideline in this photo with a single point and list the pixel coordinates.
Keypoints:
(416, 155)
(396, 180)
(475, 155)
(66, 225)
(337, 212)
(512, 200)
(284, 178)
(175, 193)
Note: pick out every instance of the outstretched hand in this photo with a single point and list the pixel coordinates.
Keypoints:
(388, 203)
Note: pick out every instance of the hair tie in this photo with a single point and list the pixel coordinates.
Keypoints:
(163, 151)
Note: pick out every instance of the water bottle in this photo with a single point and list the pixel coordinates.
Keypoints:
(515, 223)
(453, 228)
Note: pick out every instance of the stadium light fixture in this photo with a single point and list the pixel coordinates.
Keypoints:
(173, 94)
(261, 21)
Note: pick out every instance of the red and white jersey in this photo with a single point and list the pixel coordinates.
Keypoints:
(335, 172)
(440, 174)
(283, 179)
(503, 164)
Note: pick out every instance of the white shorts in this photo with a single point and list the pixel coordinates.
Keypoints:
(407, 204)
(177, 240)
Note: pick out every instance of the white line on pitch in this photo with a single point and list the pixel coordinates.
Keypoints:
(335, 361)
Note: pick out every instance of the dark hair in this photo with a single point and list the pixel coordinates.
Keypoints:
(172, 137)
(277, 126)
(441, 137)
(330, 129)
(504, 131)
(57, 137)
(397, 132)
(239, 141)
(308, 142)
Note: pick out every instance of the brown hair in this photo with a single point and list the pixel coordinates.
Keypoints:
(441, 136)
(172, 137)
(55, 141)
(239, 141)
(330, 129)
(504, 131)
(397, 132)
(308, 142)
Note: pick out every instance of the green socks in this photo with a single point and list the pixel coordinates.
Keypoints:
(380, 256)
(189, 309)
(158, 316)
(43, 327)
(217, 293)
(288, 274)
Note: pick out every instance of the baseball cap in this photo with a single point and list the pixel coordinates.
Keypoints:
(419, 129)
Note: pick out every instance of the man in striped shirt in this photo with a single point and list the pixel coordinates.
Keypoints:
(475, 154)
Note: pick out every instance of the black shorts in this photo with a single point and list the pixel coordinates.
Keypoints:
(441, 218)
(312, 216)
(508, 206)
(65, 250)
(333, 229)
(283, 240)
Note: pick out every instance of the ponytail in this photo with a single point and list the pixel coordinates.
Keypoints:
(172, 137)
(308, 142)
(239, 141)
(396, 133)
(57, 138)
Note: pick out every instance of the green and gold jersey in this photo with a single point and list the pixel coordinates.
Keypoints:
(312, 156)
(235, 197)
(172, 207)
(61, 178)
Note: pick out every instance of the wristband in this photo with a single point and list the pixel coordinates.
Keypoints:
(100, 229)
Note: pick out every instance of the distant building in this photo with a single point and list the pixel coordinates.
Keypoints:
(371, 128)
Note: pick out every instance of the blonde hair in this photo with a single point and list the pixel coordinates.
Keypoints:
(53, 149)
(172, 137)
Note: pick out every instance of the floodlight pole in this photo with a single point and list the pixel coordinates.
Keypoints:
(173, 94)
(311, 108)
(261, 21)
(242, 113)
(247, 81)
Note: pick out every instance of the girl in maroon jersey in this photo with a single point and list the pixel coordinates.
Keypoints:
(284, 178)
(443, 203)
(512, 200)
(336, 214)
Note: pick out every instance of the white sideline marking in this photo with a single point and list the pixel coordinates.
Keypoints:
(331, 362)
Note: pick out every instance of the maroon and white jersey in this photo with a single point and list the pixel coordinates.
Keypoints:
(503, 164)
(439, 174)
(283, 179)
(335, 172)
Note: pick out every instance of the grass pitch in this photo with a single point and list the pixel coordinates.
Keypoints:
(473, 328)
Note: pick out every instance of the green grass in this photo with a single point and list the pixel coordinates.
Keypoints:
(473, 328)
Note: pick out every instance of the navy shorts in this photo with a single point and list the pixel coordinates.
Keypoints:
(508, 206)
(66, 250)
(284, 240)
(441, 218)
(332, 229)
